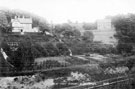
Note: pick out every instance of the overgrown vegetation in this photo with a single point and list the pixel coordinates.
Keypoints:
(20, 54)
(125, 33)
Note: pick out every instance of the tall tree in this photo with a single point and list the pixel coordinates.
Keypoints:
(3, 22)
(88, 36)
(125, 32)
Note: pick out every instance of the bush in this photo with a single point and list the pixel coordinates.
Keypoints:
(39, 51)
(51, 49)
(22, 58)
(124, 48)
(62, 48)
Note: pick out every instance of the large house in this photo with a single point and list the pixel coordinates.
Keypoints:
(22, 24)
(103, 33)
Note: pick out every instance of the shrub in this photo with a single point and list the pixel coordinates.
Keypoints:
(51, 49)
(39, 51)
(62, 48)
(22, 58)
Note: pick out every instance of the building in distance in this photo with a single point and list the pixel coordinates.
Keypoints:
(22, 24)
(103, 31)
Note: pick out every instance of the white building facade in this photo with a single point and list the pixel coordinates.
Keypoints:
(105, 32)
(22, 25)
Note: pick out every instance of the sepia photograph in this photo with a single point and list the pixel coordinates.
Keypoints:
(67, 44)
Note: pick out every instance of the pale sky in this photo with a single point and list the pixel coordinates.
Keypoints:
(59, 11)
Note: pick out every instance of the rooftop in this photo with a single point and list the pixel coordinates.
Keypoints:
(22, 20)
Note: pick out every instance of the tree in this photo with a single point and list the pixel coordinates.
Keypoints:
(4, 26)
(63, 50)
(51, 49)
(43, 26)
(63, 29)
(57, 29)
(39, 51)
(68, 34)
(88, 36)
(89, 26)
(77, 33)
(24, 58)
(125, 32)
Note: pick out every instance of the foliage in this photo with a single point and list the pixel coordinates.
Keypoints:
(68, 34)
(77, 33)
(89, 26)
(48, 49)
(124, 48)
(24, 55)
(6, 47)
(51, 49)
(88, 36)
(4, 25)
(3, 20)
(39, 51)
(66, 31)
(41, 23)
(59, 29)
(81, 44)
(79, 47)
(62, 48)
(22, 58)
(125, 28)
(97, 47)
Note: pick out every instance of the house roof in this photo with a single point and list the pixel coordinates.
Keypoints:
(22, 20)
